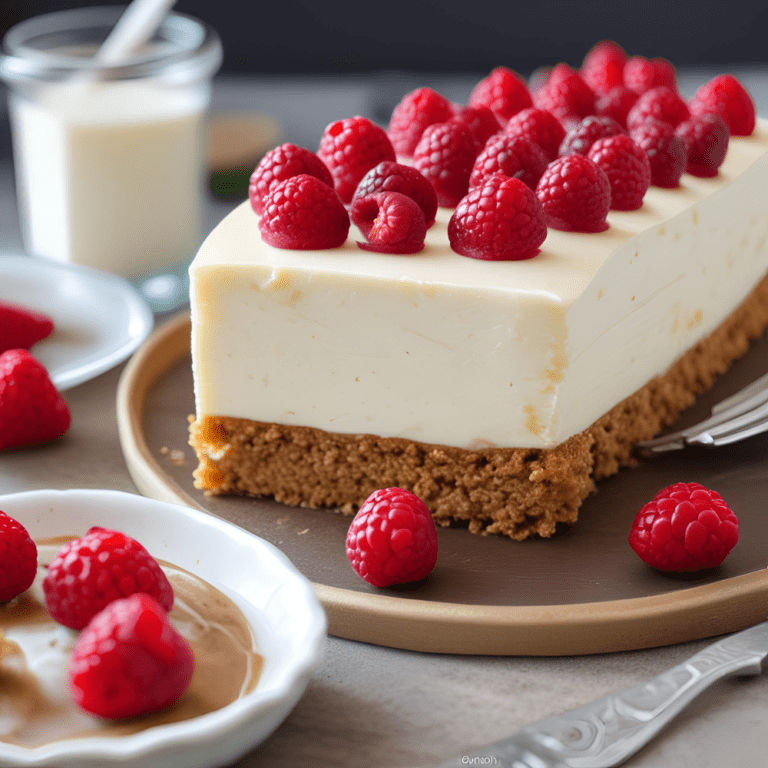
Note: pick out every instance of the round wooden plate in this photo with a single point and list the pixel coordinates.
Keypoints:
(583, 591)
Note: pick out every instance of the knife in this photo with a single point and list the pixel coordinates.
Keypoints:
(611, 729)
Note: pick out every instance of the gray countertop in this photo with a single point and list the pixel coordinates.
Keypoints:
(374, 706)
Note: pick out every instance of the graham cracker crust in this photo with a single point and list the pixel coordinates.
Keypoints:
(517, 492)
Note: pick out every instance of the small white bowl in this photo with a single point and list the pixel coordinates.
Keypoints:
(287, 618)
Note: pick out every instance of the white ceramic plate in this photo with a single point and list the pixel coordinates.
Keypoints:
(280, 603)
(99, 318)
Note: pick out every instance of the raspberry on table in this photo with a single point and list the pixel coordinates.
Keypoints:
(666, 152)
(706, 142)
(21, 327)
(350, 148)
(18, 558)
(391, 222)
(686, 527)
(540, 127)
(32, 410)
(566, 95)
(642, 74)
(501, 219)
(283, 163)
(662, 103)
(302, 213)
(129, 660)
(575, 194)
(627, 167)
(514, 156)
(603, 66)
(616, 103)
(482, 121)
(445, 155)
(416, 111)
(96, 569)
(392, 539)
(503, 91)
(724, 95)
(395, 177)
(582, 136)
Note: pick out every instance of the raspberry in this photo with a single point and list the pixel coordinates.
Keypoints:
(18, 558)
(390, 221)
(129, 660)
(445, 155)
(724, 95)
(603, 66)
(661, 103)
(566, 95)
(22, 328)
(575, 194)
(92, 571)
(499, 220)
(502, 91)
(392, 539)
(350, 148)
(706, 141)
(686, 527)
(283, 163)
(31, 408)
(617, 104)
(480, 120)
(627, 167)
(513, 156)
(394, 177)
(302, 213)
(416, 111)
(665, 150)
(582, 136)
(540, 127)
(641, 74)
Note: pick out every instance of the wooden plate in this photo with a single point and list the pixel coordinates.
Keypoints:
(583, 591)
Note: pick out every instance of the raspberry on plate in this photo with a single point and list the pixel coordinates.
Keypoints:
(283, 163)
(603, 66)
(706, 142)
(350, 148)
(662, 103)
(22, 328)
(724, 95)
(445, 155)
(391, 222)
(582, 136)
(501, 219)
(392, 539)
(686, 527)
(514, 156)
(18, 558)
(416, 111)
(503, 91)
(96, 569)
(575, 194)
(665, 150)
(129, 660)
(641, 74)
(31, 408)
(627, 167)
(540, 127)
(302, 213)
(617, 104)
(482, 121)
(395, 177)
(566, 95)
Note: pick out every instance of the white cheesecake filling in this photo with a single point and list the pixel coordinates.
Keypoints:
(444, 349)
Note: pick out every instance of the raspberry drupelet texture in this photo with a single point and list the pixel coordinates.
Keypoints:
(662, 103)
(96, 569)
(627, 167)
(416, 111)
(566, 96)
(540, 127)
(617, 103)
(279, 164)
(706, 142)
(575, 194)
(392, 539)
(724, 95)
(18, 558)
(391, 222)
(502, 91)
(480, 120)
(501, 219)
(582, 136)
(666, 152)
(304, 214)
(513, 156)
(350, 148)
(686, 527)
(129, 660)
(22, 328)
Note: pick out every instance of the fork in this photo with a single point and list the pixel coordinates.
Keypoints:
(735, 418)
